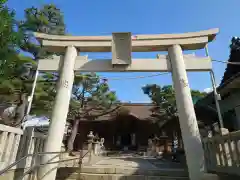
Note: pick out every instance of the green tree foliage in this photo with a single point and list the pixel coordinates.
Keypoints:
(9, 37)
(10, 40)
(91, 98)
(47, 19)
(164, 101)
(19, 70)
(10, 60)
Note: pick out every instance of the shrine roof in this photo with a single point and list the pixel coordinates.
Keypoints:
(230, 80)
(206, 106)
(230, 83)
(141, 111)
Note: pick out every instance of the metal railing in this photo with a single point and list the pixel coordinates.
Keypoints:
(222, 153)
(34, 167)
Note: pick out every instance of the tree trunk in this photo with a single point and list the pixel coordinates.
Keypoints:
(20, 110)
(72, 137)
(74, 132)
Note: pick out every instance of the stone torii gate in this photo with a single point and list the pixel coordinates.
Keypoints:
(121, 45)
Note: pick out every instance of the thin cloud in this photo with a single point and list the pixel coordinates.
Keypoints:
(208, 90)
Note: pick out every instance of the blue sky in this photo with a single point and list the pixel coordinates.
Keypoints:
(93, 17)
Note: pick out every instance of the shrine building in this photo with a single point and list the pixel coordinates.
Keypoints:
(130, 129)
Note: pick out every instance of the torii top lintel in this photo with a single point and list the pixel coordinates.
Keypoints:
(140, 43)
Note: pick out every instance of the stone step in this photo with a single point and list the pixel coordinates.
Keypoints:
(109, 173)
(87, 176)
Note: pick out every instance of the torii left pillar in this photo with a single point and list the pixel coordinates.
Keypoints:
(59, 116)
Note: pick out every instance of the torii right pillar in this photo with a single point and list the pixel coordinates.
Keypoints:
(186, 113)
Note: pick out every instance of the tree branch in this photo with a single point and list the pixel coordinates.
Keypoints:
(104, 113)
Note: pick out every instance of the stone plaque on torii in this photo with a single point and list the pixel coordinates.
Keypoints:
(121, 45)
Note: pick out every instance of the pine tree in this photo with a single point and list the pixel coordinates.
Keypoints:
(164, 101)
(18, 72)
(47, 19)
(9, 37)
(92, 98)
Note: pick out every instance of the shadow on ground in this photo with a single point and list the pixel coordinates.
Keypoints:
(125, 167)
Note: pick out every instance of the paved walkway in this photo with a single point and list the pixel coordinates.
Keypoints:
(126, 162)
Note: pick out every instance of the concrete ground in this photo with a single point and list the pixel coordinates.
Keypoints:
(126, 162)
(129, 166)
(123, 160)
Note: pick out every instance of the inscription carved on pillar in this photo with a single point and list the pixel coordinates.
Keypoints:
(64, 83)
(184, 82)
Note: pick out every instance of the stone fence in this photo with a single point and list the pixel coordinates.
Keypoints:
(222, 153)
(16, 143)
